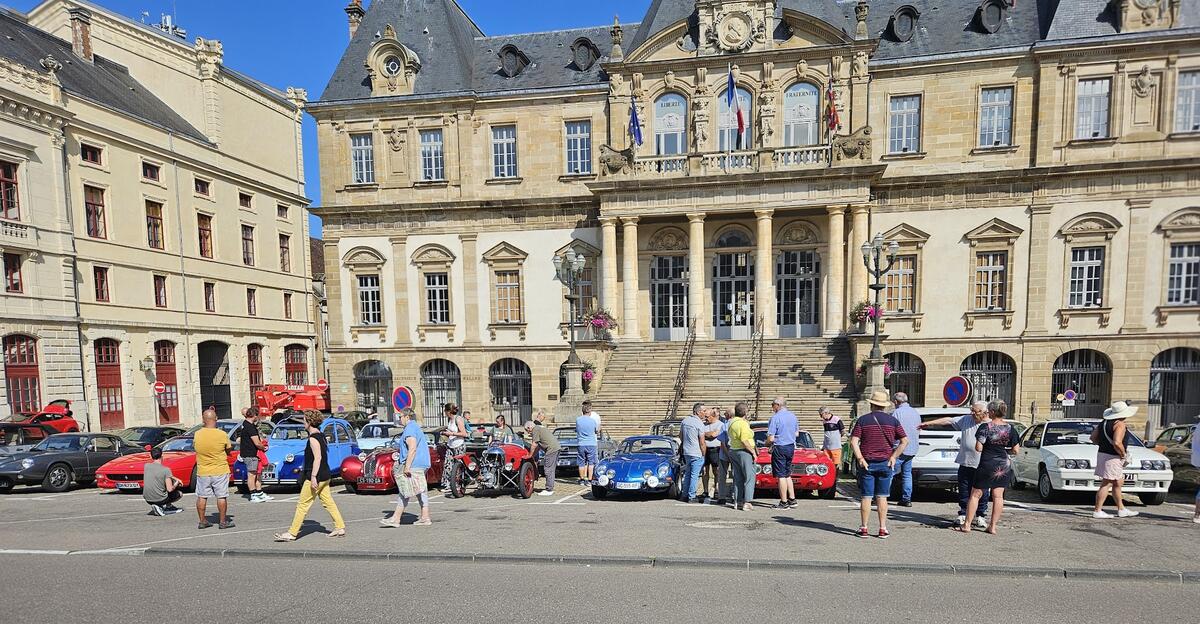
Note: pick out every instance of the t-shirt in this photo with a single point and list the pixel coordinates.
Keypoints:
(585, 430)
(715, 427)
(741, 437)
(545, 439)
(909, 419)
(784, 426)
(834, 429)
(246, 433)
(211, 448)
(1196, 446)
(877, 433)
(967, 455)
(154, 488)
(455, 442)
(421, 455)
(689, 434)
(996, 441)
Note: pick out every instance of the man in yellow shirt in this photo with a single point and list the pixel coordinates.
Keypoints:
(212, 469)
(742, 453)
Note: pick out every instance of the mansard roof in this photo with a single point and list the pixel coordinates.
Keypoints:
(1075, 19)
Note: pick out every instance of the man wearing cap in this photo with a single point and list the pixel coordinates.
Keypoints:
(160, 488)
(876, 441)
(1111, 459)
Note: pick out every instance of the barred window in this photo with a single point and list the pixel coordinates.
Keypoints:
(370, 304)
(1183, 274)
(991, 280)
(995, 117)
(437, 298)
(362, 157)
(154, 225)
(504, 152)
(904, 124)
(901, 285)
(93, 204)
(1091, 108)
(1087, 277)
(579, 147)
(433, 158)
(508, 297)
(1187, 102)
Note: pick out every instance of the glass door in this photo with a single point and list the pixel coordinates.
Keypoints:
(733, 296)
(669, 297)
(798, 293)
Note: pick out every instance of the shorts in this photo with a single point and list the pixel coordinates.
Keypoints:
(781, 459)
(411, 486)
(251, 464)
(875, 481)
(1109, 467)
(587, 456)
(712, 456)
(212, 487)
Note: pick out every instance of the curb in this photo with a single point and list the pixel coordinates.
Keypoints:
(852, 567)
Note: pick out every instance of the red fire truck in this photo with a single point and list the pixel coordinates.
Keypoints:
(279, 399)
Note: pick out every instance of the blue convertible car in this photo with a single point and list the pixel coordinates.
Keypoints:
(285, 450)
(647, 463)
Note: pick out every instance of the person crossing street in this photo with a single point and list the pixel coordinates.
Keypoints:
(315, 481)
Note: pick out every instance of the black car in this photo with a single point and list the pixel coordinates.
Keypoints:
(148, 436)
(62, 459)
(1176, 443)
(18, 438)
(568, 456)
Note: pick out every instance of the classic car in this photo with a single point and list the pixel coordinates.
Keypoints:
(372, 471)
(62, 459)
(285, 450)
(568, 455)
(56, 414)
(1178, 449)
(16, 438)
(812, 470)
(645, 463)
(669, 427)
(146, 437)
(1058, 456)
(237, 468)
(377, 434)
(179, 455)
(499, 466)
(1176, 434)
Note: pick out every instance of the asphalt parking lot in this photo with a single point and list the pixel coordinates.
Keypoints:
(1032, 534)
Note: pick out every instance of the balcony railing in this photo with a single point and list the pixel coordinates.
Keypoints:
(791, 157)
(718, 163)
(671, 164)
(13, 232)
(733, 162)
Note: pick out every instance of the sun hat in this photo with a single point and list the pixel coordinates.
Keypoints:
(879, 398)
(1120, 410)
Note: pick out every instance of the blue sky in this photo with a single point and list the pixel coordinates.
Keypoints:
(284, 45)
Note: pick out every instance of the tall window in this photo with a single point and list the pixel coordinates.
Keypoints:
(579, 147)
(9, 206)
(508, 297)
(1183, 274)
(1187, 102)
(1086, 286)
(248, 245)
(287, 305)
(670, 125)
(100, 280)
(437, 298)
(801, 115)
(504, 152)
(251, 302)
(210, 297)
(285, 253)
(12, 273)
(295, 365)
(362, 157)
(433, 156)
(204, 228)
(160, 291)
(21, 375)
(93, 204)
(154, 225)
(904, 124)
(995, 117)
(900, 294)
(727, 123)
(254, 357)
(370, 303)
(1091, 108)
(991, 280)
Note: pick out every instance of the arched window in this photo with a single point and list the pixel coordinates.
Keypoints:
(21, 373)
(254, 364)
(670, 124)
(512, 390)
(441, 383)
(1175, 386)
(907, 376)
(801, 115)
(164, 371)
(1088, 375)
(727, 121)
(993, 375)
(373, 386)
(295, 365)
(734, 237)
(108, 384)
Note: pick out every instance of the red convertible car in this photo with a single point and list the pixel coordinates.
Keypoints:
(179, 454)
(372, 471)
(812, 470)
(56, 415)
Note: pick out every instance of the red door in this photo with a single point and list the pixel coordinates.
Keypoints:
(164, 371)
(21, 373)
(108, 384)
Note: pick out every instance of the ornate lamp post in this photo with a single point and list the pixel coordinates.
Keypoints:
(569, 268)
(879, 256)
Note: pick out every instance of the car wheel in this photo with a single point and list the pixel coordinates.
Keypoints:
(191, 485)
(526, 476)
(58, 478)
(455, 480)
(1153, 498)
(1046, 489)
(599, 493)
(673, 491)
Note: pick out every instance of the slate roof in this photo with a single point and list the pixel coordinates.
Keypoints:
(102, 81)
(947, 27)
(1074, 19)
(549, 55)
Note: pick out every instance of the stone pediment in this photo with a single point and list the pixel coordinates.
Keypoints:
(1090, 224)
(668, 239)
(433, 254)
(995, 230)
(505, 252)
(363, 257)
(580, 247)
(1186, 221)
(907, 234)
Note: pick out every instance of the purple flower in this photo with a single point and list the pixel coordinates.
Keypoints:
(587, 375)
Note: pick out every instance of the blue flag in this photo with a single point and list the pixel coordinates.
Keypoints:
(635, 127)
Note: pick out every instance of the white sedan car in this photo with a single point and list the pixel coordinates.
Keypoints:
(1058, 456)
(376, 434)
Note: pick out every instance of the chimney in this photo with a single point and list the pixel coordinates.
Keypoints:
(354, 12)
(81, 32)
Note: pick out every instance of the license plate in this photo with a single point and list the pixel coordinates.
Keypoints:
(949, 454)
(629, 486)
(564, 462)
(1130, 478)
(128, 485)
(370, 480)
(268, 476)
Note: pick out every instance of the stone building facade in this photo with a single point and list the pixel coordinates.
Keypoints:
(1037, 170)
(175, 192)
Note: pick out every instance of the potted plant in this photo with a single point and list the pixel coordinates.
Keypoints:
(601, 323)
(589, 373)
(861, 313)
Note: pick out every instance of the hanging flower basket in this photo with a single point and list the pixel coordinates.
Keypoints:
(863, 312)
(601, 323)
(589, 373)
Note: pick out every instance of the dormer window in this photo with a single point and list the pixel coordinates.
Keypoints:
(584, 54)
(992, 14)
(392, 66)
(904, 22)
(512, 61)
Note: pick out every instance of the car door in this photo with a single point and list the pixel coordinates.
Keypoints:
(338, 446)
(1030, 454)
(99, 451)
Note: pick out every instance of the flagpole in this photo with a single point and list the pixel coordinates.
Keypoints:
(731, 87)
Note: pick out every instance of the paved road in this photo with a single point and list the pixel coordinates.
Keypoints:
(156, 590)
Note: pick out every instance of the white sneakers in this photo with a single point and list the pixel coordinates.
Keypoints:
(546, 493)
(1101, 515)
(981, 523)
(960, 521)
(1124, 513)
(260, 497)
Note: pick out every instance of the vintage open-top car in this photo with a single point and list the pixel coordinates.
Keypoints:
(376, 434)
(646, 463)
(500, 465)
(372, 471)
(285, 450)
(812, 470)
(568, 455)
(62, 459)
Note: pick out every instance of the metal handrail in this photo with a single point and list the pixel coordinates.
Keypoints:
(685, 363)
(756, 364)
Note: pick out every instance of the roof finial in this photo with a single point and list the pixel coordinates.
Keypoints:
(618, 35)
(861, 10)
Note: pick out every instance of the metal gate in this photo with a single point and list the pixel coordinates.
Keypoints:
(908, 376)
(1089, 374)
(669, 297)
(1175, 386)
(993, 375)
(108, 384)
(373, 385)
(214, 378)
(512, 390)
(441, 383)
(164, 371)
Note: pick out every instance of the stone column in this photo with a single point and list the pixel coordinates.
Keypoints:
(608, 264)
(629, 273)
(835, 279)
(696, 272)
(1039, 256)
(858, 271)
(470, 290)
(400, 287)
(764, 273)
(1136, 265)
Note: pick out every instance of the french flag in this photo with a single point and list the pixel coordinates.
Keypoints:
(734, 104)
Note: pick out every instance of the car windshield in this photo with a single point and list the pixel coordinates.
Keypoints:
(182, 444)
(928, 417)
(803, 439)
(669, 429)
(60, 443)
(290, 432)
(565, 433)
(1078, 433)
(379, 431)
(135, 434)
(655, 446)
(481, 432)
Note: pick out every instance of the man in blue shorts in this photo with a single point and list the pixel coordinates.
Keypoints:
(587, 428)
(877, 440)
(781, 435)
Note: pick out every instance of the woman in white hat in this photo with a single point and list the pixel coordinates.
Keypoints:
(1111, 460)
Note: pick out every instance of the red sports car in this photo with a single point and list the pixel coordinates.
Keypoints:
(812, 470)
(372, 472)
(57, 415)
(179, 454)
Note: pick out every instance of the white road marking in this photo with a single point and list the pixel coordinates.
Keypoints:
(23, 551)
(120, 513)
(566, 498)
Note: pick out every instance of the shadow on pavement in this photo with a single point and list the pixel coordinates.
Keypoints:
(810, 524)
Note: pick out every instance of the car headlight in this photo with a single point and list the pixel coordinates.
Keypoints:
(602, 468)
(766, 469)
(611, 473)
(508, 466)
(664, 471)
(757, 469)
(647, 474)
(396, 456)
(362, 457)
(1153, 464)
(822, 470)
(1073, 464)
(289, 458)
(602, 480)
(810, 469)
(26, 463)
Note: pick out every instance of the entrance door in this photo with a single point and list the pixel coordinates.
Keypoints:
(669, 297)
(733, 296)
(798, 292)
(214, 378)
(164, 371)
(108, 384)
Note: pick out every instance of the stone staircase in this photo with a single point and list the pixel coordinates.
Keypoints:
(639, 381)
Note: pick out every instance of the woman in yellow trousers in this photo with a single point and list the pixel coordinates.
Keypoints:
(316, 481)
